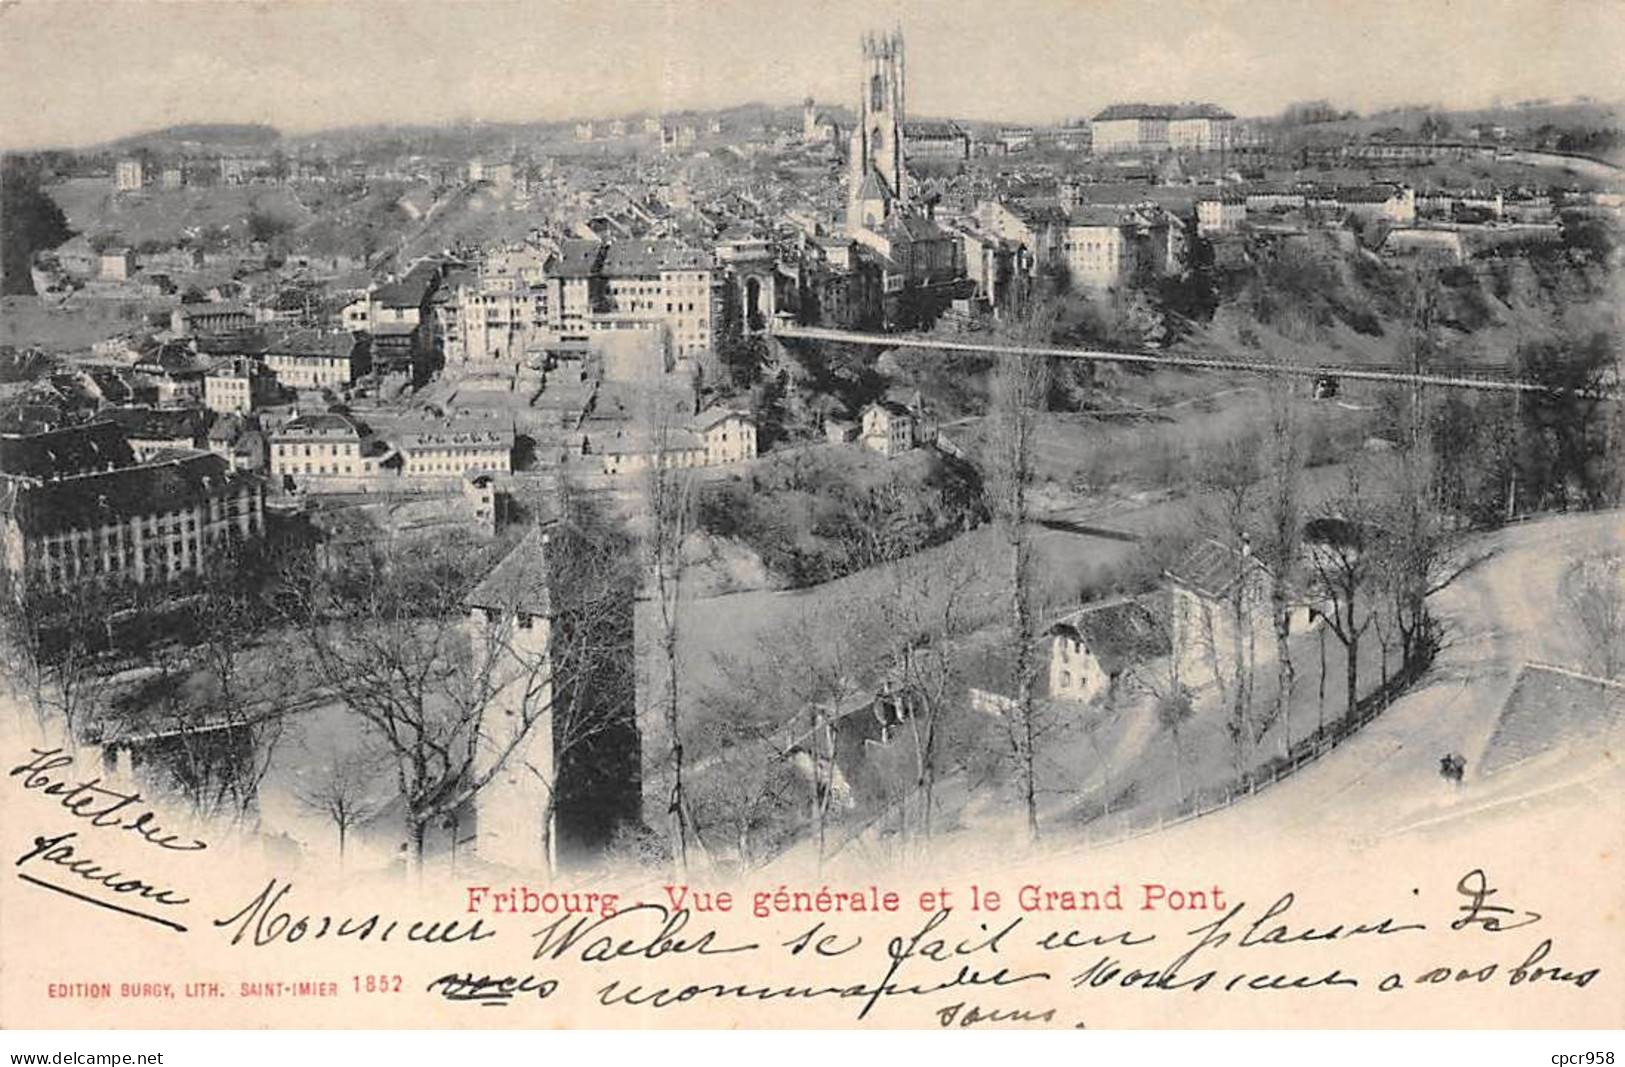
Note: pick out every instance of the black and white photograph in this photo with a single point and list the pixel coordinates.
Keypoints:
(905, 515)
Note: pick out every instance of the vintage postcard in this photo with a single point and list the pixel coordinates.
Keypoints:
(662, 513)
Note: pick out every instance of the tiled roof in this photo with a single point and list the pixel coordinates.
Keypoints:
(1162, 111)
(440, 436)
(1118, 634)
(1210, 569)
(912, 227)
(578, 258)
(214, 309)
(1037, 209)
(119, 494)
(321, 424)
(157, 424)
(71, 450)
(931, 131)
(1090, 215)
(634, 257)
(519, 582)
(713, 415)
(311, 343)
(406, 293)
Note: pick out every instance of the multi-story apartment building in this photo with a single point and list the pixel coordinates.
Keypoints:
(319, 445)
(129, 175)
(1161, 127)
(667, 283)
(729, 436)
(715, 437)
(452, 451)
(72, 509)
(237, 386)
(313, 359)
(496, 313)
(633, 284)
(1099, 250)
(1220, 213)
(574, 292)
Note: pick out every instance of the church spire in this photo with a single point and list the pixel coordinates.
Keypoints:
(877, 183)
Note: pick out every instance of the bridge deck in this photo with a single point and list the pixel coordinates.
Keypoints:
(1494, 379)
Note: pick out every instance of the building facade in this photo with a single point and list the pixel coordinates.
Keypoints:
(145, 523)
(310, 359)
(446, 452)
(319, 445)
(129, 175)
(1154, 128)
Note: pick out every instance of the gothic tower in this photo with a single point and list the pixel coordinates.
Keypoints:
(877, 184)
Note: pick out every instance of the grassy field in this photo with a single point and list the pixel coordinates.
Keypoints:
(165, 216)
(28, 321)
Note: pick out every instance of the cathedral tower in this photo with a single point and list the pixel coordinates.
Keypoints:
(877, 184)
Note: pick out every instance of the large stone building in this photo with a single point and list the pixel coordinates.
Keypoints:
(76, 506)
(497, 313)
(662, 286)
(715, 437)
(319, 445)
(238, 385)
(313, 359)
(446, 451)
(1156, 128)
(129, 175)
(934, 143)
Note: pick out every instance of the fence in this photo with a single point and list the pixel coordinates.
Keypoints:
(1304, 752)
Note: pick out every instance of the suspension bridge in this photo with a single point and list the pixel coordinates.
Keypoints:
(1490, 378)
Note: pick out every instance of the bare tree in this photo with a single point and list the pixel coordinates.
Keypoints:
(1280, 544)
(669, 517)
(1020, 390)
(1593, 592)
(1230, 478)
(1415, 552)
(796, 684)
(1341, 542)
(742, 782)
(241, 681)
(592, 713)
(928, 607)
(57, 640)
(1173, 704)
(450, 698)
(344, 789)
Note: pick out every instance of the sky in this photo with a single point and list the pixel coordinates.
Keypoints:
(75, 72)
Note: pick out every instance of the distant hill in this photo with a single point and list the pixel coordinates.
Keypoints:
(214, 135)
